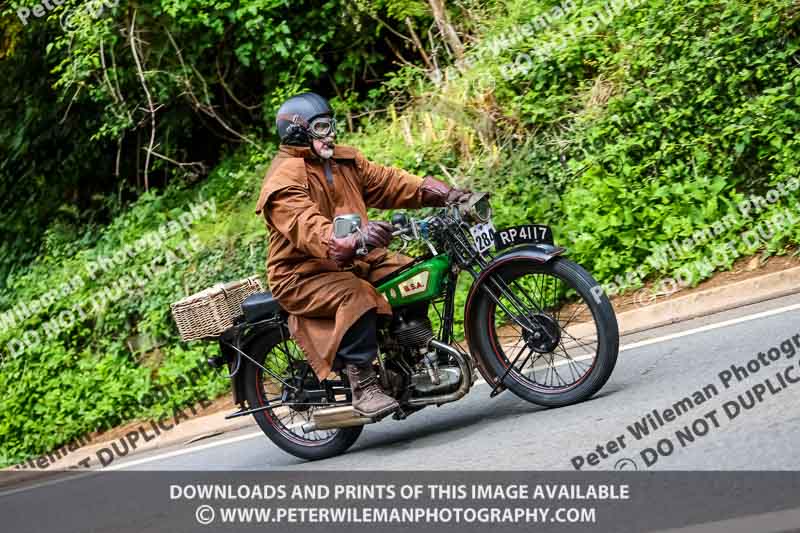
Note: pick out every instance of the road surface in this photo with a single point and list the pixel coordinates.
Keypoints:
(670, 383)
(657, 370)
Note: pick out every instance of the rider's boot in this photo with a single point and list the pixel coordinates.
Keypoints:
(368, 397)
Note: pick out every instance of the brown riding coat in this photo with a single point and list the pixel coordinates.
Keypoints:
(299, 201)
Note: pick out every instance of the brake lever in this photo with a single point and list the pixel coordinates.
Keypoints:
(361, 250)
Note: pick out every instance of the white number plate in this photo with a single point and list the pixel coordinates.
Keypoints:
(483, 235)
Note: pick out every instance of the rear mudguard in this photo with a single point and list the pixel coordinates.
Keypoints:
(540, 253)
(254, 341)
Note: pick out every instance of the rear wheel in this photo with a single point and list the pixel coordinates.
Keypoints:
(553, 338)
(291, 398)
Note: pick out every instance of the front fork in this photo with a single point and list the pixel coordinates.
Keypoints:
(448, 320)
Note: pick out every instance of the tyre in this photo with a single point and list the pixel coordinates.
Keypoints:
(282, 424)
(553, 338)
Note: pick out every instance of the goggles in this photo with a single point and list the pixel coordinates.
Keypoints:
(322, 127)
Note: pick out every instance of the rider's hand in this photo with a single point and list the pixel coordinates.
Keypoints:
(436, 193)
(343, 250)
(457, 195)
(378, 234)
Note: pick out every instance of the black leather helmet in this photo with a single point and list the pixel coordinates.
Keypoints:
(295, 115)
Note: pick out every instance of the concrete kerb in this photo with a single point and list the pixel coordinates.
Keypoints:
(710, 301)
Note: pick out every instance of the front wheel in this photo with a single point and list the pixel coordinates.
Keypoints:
(291, 397)
(546, 327)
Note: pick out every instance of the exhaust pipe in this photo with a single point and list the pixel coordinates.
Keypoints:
(336, 417)
(466, 378)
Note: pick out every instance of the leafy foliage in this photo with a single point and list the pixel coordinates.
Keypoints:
(112, 99)
(625, 134)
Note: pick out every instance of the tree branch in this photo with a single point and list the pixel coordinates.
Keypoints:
(206, 108)
(418, 43)
(446, 28)
(229, 92)
(150, 105)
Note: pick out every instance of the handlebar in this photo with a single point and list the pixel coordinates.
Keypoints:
(473, 209)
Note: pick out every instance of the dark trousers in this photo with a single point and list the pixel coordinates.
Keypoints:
(359, 344)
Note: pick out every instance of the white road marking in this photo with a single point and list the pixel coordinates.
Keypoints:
(640, 344)
(710, 327)
(135, 462)
(46, 483)
(176, 453)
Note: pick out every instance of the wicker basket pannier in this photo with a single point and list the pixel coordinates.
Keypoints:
(208, 313)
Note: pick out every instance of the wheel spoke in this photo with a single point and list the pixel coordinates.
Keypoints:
(574, 363)
(550, 317)
(572, 317)
(555, 370)
(576, 341)
(286, 361)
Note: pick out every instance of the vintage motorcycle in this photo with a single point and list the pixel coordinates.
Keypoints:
(535, 323)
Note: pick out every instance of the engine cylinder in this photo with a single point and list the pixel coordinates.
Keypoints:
(415, 332)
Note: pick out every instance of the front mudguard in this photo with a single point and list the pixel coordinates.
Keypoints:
(540, 253)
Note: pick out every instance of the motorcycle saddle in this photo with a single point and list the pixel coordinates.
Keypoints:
(259, 306)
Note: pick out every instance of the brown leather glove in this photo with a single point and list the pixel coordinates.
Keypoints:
(436, 193)
(378, 234)
(343, 250)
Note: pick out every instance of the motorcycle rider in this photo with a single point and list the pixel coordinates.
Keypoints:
(319, 279)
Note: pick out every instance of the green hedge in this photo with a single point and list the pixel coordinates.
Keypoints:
(625, 138)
